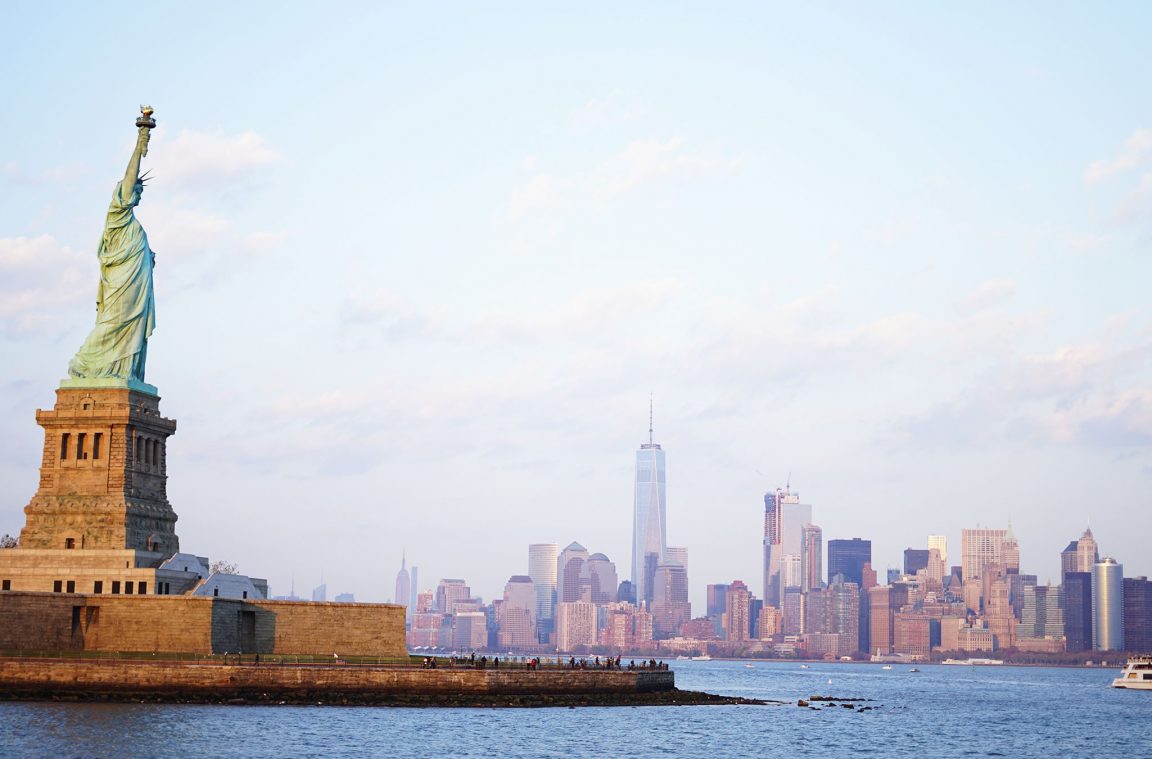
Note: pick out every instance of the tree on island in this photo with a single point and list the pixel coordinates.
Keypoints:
(222, 567)
(7, 541)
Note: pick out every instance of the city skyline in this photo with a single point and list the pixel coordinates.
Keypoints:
(830, 240)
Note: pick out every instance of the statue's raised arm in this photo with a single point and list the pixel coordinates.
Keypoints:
(144, 126)
(117, 347)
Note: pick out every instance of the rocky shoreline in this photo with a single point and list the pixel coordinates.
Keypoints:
(335, 698)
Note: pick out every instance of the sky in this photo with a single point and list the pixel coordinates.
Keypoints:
(420, 269)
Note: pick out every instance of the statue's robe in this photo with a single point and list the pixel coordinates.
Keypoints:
(117, 347)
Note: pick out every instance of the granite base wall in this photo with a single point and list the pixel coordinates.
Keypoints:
(197, 625)
(174, 678)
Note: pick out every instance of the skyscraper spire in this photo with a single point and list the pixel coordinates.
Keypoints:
(649, 418)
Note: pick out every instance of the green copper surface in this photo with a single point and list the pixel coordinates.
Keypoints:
(110, 382)
(117, 347)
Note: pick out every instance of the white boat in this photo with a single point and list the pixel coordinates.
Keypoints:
(1136, 675)
(705, 657)
(887, 666)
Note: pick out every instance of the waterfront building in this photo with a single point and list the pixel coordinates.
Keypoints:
(699, 628)
(625, 627)
(940, 543)
(1108, 605)
(469, 630)
(736, 618)
(1081, 555)
(1041, 616)
(1138, 614)
(915, 559)
(542, 567)
(811, 557)
(575, 625)
(449, 593)
(571, 576)
(649, 517)
(848, 557)
(770, 623)
(912, 634)
(880, 619)
(404, 586)
(670, 606)
(716, 604)
(1078, 611)
(516, 616)
(1017, 584)
(793, 608)
(835, 610)
(998, 613)
(975, 639)
(980, 547)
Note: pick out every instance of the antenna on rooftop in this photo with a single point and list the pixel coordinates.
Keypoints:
(649, 418)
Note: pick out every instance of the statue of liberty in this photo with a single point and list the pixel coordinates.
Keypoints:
(117, 347)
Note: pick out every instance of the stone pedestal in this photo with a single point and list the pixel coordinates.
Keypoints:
(103, 481)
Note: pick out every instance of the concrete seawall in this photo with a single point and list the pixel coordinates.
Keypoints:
(48, 678)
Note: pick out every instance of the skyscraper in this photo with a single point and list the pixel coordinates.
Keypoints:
(1137, 614)
(811, 557)
(517, 614)
(670, 606)
(738, 617)
(649, 526)
(784, 519)
(449, 593)
(1042, 615)
(940, 543)
(570, 571)
(980, 547)
(1080, 555)
(404, 585)
(848, 557)
(1108, 605)
(601, 573)
(542, 569)
(1078, 611)
(915, 559)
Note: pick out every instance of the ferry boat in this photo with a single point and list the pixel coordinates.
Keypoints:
(1136, 675)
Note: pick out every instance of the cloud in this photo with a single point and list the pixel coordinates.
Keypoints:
(990, 293)
(192, 158)
(1094, 394)
(1136, 151)
(639, 164)
(39, 279)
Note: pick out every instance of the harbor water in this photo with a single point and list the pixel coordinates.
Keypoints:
(940, 711)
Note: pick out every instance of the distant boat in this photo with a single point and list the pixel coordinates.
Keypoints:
(887, 666)
(705, 657)
(914, 669)
(681, 658)
(748, 666)
(803, 666)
